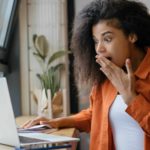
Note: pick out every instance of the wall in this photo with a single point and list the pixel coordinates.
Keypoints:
(79, 4)
(42, 17)
(147, 2)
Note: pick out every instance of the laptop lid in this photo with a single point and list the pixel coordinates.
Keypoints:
(8, 130)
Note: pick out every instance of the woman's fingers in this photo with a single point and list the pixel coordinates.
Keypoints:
(25, 124)
(107, 67)
(130, 71)
(103, 61)
(30, 123)
(129, 67)
(33, 122)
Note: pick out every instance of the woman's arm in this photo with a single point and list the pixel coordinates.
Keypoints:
(81, 121)
(139, 109)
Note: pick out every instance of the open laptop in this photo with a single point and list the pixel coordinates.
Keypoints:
(8, 130)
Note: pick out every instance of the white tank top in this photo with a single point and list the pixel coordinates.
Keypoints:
(127, 133)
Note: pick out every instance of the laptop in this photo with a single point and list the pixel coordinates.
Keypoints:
(8, 130)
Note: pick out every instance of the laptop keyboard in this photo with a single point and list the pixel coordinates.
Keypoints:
(29, 140)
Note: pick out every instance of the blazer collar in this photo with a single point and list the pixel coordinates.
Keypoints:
(144, 68)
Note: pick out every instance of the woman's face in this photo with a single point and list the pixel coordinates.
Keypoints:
(112, 43)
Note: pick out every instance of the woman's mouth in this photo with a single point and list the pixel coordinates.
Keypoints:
(109, 58)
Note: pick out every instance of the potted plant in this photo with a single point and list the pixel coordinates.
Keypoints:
(50, 76)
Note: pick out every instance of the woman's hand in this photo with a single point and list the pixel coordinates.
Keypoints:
(40, 120)
(124, 82)
(54, 123)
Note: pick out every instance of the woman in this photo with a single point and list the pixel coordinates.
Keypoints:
(110, 46)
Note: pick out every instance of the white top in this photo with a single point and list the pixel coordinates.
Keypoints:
(127, 133)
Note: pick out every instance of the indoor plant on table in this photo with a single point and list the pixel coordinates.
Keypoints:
(51, 97)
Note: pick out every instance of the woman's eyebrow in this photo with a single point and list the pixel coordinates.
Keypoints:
(106, 32)
(103, 34)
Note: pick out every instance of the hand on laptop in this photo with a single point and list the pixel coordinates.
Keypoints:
(53, 123)
(40, 120)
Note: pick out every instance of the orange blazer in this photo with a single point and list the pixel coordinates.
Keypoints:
(95, 119)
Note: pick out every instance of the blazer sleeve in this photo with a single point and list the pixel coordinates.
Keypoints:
(139, 108)
(82, 120)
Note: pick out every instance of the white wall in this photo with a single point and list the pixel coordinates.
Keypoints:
(42, 17)
(147, 3)
(79, 4)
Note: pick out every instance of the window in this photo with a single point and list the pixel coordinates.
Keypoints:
(7, 11)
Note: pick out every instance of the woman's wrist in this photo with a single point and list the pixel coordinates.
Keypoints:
(129, 97)
(64, 122)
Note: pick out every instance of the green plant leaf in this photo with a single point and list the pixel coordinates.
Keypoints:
(34, 38)
(38, 55)
(50, 78)
(59, 66)
(42, 45)
(41, 79)
(57, 55)
(53, 80)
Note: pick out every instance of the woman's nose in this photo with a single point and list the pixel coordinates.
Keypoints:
(100, 48)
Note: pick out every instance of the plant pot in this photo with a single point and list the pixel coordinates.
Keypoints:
(51, 108)
(45, 104)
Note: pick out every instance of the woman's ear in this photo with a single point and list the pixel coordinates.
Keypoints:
(133, 37)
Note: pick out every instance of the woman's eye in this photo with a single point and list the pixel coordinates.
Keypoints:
(108, 39)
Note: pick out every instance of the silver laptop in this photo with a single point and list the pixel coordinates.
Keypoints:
(8, 130)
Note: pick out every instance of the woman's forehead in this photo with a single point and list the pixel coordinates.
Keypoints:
(103, 25)
(111, 22)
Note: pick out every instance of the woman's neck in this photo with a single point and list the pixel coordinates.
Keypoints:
(136, 58)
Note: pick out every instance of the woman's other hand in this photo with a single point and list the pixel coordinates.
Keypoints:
(123, 82)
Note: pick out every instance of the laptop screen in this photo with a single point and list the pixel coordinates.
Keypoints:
(8, 131)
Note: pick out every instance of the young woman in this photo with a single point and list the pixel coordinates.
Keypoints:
(110, 43)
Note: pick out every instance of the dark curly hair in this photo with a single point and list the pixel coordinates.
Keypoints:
(132, 17)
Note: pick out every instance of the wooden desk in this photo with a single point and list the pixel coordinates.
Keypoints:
(71, 132)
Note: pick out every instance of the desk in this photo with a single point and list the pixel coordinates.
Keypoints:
(71, 132)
